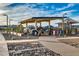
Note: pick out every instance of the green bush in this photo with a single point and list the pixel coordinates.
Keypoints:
(19, 29)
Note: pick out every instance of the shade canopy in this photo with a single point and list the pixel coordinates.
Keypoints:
(40, 19)
(69, 21)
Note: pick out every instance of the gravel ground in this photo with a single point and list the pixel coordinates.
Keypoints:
(27, 49)
(30, 49)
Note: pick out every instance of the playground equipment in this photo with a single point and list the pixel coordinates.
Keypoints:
(30, 30)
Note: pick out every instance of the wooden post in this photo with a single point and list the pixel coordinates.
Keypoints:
(26, 24)
(40, 24)
(63, 25)
(35, 24)
(49, 28)
(49, 22)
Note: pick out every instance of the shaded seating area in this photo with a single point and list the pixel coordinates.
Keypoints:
(68, 27)
(39, 20)
(64, 27)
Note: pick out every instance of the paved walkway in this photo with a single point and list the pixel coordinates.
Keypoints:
(3, 47)
(55, 45)
(50, 42)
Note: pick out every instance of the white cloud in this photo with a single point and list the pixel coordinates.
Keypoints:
(3, 18)
(65, 7)
(23, 12)
(76, 18)
(68, 11)
(60, 14)
(3, 11)
(2, 5)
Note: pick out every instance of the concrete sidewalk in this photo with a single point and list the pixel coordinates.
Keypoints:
(55, 45)
(3, 47)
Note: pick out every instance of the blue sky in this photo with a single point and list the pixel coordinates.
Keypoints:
(21, 11)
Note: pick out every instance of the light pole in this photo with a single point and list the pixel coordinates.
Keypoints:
(10, 22)
(63, 23)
